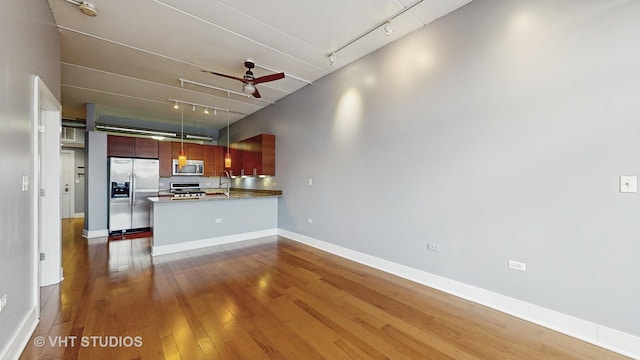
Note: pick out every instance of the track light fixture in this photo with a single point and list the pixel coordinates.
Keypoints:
(388, 29)
(386, 25)
(206, 107)
(332, 58)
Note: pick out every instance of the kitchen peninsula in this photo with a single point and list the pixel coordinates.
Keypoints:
(187, 224)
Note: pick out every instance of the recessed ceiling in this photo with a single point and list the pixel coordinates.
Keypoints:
(134, 56)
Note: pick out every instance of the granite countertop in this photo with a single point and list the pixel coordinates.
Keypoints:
(217, 194)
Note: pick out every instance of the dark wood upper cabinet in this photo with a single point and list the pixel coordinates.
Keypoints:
(146, 148)
(164, 154)
(194, 151)
(127, 146)
(259, 157)
(120, 146)
(254, 156)
(213, 159)
(236, 159)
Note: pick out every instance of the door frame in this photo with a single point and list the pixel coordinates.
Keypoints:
(46, 224)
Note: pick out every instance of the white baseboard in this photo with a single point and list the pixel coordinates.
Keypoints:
(611, 339)
(90, 234)
(198, 244)
(77, 215)
(21, 337)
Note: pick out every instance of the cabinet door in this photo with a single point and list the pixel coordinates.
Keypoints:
(194, 151)
(218, 159)
(164, 153)
(146, 148)
(207, 154)
(213, 159)
(236, 160)
(121, 146)
(176, 146)
(250, 155)
(268, 154)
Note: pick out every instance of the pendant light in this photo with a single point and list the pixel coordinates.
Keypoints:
(182, 155)
(227, 156)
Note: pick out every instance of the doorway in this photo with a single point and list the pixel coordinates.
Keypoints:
(47, 246)
(67, 184)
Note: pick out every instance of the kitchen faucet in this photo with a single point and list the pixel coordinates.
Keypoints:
(227, 182)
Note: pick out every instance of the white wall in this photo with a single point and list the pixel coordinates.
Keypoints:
(30, 45)
(499, 132)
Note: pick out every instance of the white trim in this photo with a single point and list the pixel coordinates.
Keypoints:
(21, 336)
(198, 244)
(611, 339)
(90, 234)
(78, 215)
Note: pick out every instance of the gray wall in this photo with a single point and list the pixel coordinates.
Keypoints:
(499, 132)
(79, 174)
(96, 177)
(30, 45)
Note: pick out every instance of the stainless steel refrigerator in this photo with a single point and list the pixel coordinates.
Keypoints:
(131, 182)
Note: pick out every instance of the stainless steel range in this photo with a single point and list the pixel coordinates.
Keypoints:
(184, 190)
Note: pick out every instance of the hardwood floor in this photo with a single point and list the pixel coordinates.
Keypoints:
(270, 298)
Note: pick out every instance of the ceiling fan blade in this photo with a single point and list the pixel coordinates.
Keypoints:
(267, 78)
(224, 75)
(256, 94)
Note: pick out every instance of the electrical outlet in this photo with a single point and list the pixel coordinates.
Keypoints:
(310, 220)
(310, 182)
(517, 265)
(3, 302)
(433, 247)
(218, 220)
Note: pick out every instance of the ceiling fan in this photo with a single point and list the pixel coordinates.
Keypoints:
(249, 81)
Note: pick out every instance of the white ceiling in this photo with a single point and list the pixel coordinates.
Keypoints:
(129, 59)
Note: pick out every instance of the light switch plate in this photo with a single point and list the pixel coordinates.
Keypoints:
(628, 184)
(25, 183)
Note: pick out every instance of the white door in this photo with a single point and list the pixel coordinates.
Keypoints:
(46, 191)
(67, 178)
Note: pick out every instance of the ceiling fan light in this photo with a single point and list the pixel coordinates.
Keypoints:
(87, 9)
(248, 88)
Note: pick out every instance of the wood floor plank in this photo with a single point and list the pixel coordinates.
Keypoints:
(269, 298)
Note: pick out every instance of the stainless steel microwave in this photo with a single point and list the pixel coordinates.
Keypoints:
(191, 168)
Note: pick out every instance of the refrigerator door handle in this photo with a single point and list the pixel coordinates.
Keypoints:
(132, 178)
